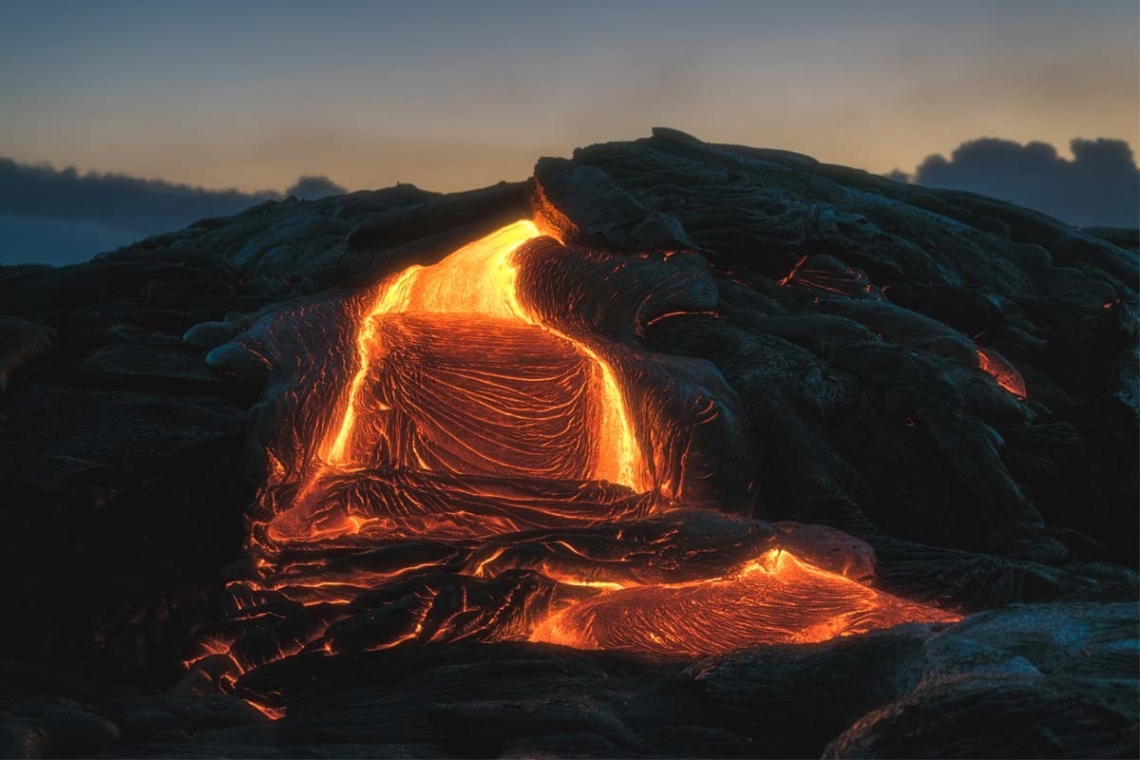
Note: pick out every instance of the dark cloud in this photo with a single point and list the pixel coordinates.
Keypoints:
(314, 188)
(41, 191)
(1099, 186)
(60, 216)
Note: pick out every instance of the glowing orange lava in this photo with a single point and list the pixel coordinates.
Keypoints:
(481, 279)
(774, 599)
(476, 286)
(1003, 373)
(480, 477)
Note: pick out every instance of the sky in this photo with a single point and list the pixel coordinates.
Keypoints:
(455, 95)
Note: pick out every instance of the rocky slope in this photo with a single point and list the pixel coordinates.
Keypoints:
(949, 378)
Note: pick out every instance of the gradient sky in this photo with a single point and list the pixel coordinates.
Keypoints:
(452, 95)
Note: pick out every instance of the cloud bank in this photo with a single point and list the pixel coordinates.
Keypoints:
(1100, 185)
(48, 215)
(58, 216)
(313, 188)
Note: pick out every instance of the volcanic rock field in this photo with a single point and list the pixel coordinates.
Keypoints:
(672, 450)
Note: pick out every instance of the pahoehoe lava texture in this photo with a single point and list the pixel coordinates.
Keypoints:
(720, 451)
(483, 396)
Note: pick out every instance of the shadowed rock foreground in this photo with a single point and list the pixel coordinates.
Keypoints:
(931, 395)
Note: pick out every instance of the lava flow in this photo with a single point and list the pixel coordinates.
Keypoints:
(456, 376)
(480, 475)
(1003, 373)
(479, 280)
(773, 599)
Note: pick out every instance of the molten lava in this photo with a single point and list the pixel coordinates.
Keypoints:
(480, 280)
(1004, 374)
(478, 475)
(773, 599)
(454, 375)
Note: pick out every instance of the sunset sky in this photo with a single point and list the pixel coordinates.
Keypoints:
(452, 95)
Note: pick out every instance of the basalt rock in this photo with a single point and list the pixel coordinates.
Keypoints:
(21, 343)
